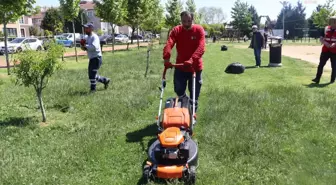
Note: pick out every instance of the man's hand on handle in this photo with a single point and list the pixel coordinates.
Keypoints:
(188, 63)
(168, 64)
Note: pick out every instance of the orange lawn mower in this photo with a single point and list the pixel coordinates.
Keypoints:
(174, 155)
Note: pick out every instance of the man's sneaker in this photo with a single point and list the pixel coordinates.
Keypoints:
(316, 80)
(106, 84)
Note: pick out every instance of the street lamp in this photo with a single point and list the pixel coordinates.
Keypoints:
(284, 4)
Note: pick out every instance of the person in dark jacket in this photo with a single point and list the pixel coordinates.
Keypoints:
(257, 43)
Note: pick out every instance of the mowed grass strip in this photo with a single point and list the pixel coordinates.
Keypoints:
(265, 126)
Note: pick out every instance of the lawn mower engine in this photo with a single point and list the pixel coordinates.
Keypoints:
(174, 147)
(174, 155)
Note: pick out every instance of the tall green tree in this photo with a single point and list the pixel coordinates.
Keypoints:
(70, 11)
(154, 22)
(78, 22)
(241, 18)
(254, 15)
(191, 7)
(137, 11)
(112, 11)
(11, 11)
(212, 15)
(174, 9)
(52, 21)
(294, 20)
(33, 30)
(322, 13)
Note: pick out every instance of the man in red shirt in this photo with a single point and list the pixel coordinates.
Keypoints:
(328, 39)
(190, 45)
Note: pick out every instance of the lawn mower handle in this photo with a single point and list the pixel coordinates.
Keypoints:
(175, 65)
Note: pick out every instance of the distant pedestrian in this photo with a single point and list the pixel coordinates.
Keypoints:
(257, 43)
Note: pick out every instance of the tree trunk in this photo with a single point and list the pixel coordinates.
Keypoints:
(133, 30)
(113, 38)
(138, 38)
(39, 97)
(6, 49)
(74, 31)
(147, 66)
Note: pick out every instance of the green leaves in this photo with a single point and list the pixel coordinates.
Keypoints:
(11, 10)
(322, 13)
(70, 8)
(35, 67)
(112, 11)
(154, 20)
(241, 16)
(137, 11)
(174, 9)
(52, 21)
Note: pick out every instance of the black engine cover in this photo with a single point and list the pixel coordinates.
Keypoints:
(186, 153)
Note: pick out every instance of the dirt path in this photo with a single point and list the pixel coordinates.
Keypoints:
(83, 53)
(307, 53)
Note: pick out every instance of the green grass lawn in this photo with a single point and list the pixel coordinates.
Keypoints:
(265, 126)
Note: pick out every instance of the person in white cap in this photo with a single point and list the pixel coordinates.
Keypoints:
(257, 43)
(92, 46)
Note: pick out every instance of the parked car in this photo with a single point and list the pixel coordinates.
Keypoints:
(70, 36)
(2, 42)
(121, 38)
(135, 37)
(64, 41)
(105, 39)
(21, 44)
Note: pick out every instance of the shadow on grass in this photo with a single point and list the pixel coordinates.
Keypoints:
(16, 121)
(254, 67)
(137, 136)
(314, 85)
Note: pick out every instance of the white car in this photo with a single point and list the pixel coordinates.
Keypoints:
(121, 38)
(21, 44)
(2, 43)
(69, 36)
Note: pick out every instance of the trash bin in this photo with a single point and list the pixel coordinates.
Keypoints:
(275, 55)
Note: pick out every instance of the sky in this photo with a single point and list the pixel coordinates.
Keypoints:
(264, 7)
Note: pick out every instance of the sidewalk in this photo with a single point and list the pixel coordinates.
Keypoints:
(83, 53)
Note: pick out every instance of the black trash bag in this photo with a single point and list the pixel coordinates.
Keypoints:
(224, 48)
(235, 68)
